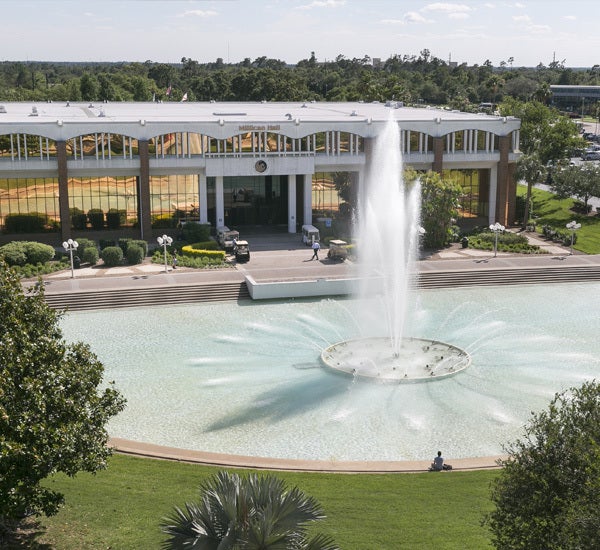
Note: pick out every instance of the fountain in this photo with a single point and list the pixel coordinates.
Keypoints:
(247, 378)
(388, 244)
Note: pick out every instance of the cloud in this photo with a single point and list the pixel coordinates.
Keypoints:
(571, 17)
(322, 4)
(521, 18)
(539, 29)
(458, 15)
(392, 21)
(446, 8)
(414, 17)
(198, 13)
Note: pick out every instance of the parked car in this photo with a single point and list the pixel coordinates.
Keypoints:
(591, 155)
(337, 250)
(241, 249)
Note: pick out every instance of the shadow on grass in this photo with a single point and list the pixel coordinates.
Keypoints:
(22, 534)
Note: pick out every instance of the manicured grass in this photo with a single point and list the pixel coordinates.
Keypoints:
(548, 210)
(121, 508)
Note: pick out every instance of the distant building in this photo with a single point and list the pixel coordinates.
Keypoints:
(577, 99)
(147, 166)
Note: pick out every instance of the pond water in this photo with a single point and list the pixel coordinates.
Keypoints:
(246, 378)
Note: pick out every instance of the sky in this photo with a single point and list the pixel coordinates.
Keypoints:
(529, 31)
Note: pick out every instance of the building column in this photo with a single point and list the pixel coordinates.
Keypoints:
(220, 202)
(63, 190)
(493, 194)
(511, 210)
(307, 214)
(438, 154)
(144, 192)
(502, 186)
(202, 198)
(291, 216)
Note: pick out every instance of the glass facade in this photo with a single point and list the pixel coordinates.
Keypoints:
(474, 201)
(325, 196)
(20, 196)
(106, 194)
(173, 198)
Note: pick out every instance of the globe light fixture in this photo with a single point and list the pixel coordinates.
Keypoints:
(496, 228)
(165, 241)
(71, 246)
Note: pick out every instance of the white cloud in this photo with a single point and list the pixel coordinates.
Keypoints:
(198, 13)
(519, 5)
(458, 15)
(446, 7)
(414, 17)
(571, 17)
(521, 18)
(322, 4)
(539, 29)
(392, 21)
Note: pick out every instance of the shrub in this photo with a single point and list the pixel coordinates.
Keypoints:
(142, 244)
(33, 222)
(90, 255)
(135, 254)
(86, 243)
(112, 256)
(106, 242)
(38, 253)
(14, 253)
(124, 243)
(195, 232)
(96, 217)
(26, 252)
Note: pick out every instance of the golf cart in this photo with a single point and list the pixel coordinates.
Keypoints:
(337, 250)
(241, 249)
(226, 237)
(310, 234)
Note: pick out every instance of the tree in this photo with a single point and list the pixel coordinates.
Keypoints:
(530, 169)
(582, 182)
(52, 412)
(252, 513)
(544, 131)
(89, 87)
(439, 207)
(547, 493)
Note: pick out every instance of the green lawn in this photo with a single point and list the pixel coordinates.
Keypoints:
(547, 209)
(121, 508)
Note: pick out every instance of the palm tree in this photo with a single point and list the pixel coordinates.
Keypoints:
(530, 169)
(246, 513)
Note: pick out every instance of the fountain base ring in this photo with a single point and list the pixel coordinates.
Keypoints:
(417, 360)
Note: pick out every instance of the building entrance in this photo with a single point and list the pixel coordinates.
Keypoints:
(255, 200)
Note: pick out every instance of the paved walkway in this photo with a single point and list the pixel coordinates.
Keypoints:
(282, 257)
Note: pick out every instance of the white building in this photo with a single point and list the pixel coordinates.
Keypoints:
(146, 166)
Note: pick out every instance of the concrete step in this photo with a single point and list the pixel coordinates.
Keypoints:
(175, 294)
(508, 276)
(211, 292)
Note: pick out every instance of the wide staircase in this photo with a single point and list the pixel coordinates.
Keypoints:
(172, 294)
(499, 277)
(234, 291)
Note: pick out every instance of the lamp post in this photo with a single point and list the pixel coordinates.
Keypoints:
(572, 227)
(165, 241)
(496, 228)
(71, 246)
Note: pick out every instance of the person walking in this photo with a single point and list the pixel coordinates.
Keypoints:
(174, 259)
(316, 247)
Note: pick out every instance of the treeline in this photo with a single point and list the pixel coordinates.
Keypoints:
(412, 79)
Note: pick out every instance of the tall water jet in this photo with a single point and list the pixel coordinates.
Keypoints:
(389, 229)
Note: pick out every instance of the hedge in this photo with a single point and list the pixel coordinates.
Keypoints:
(194, 251)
